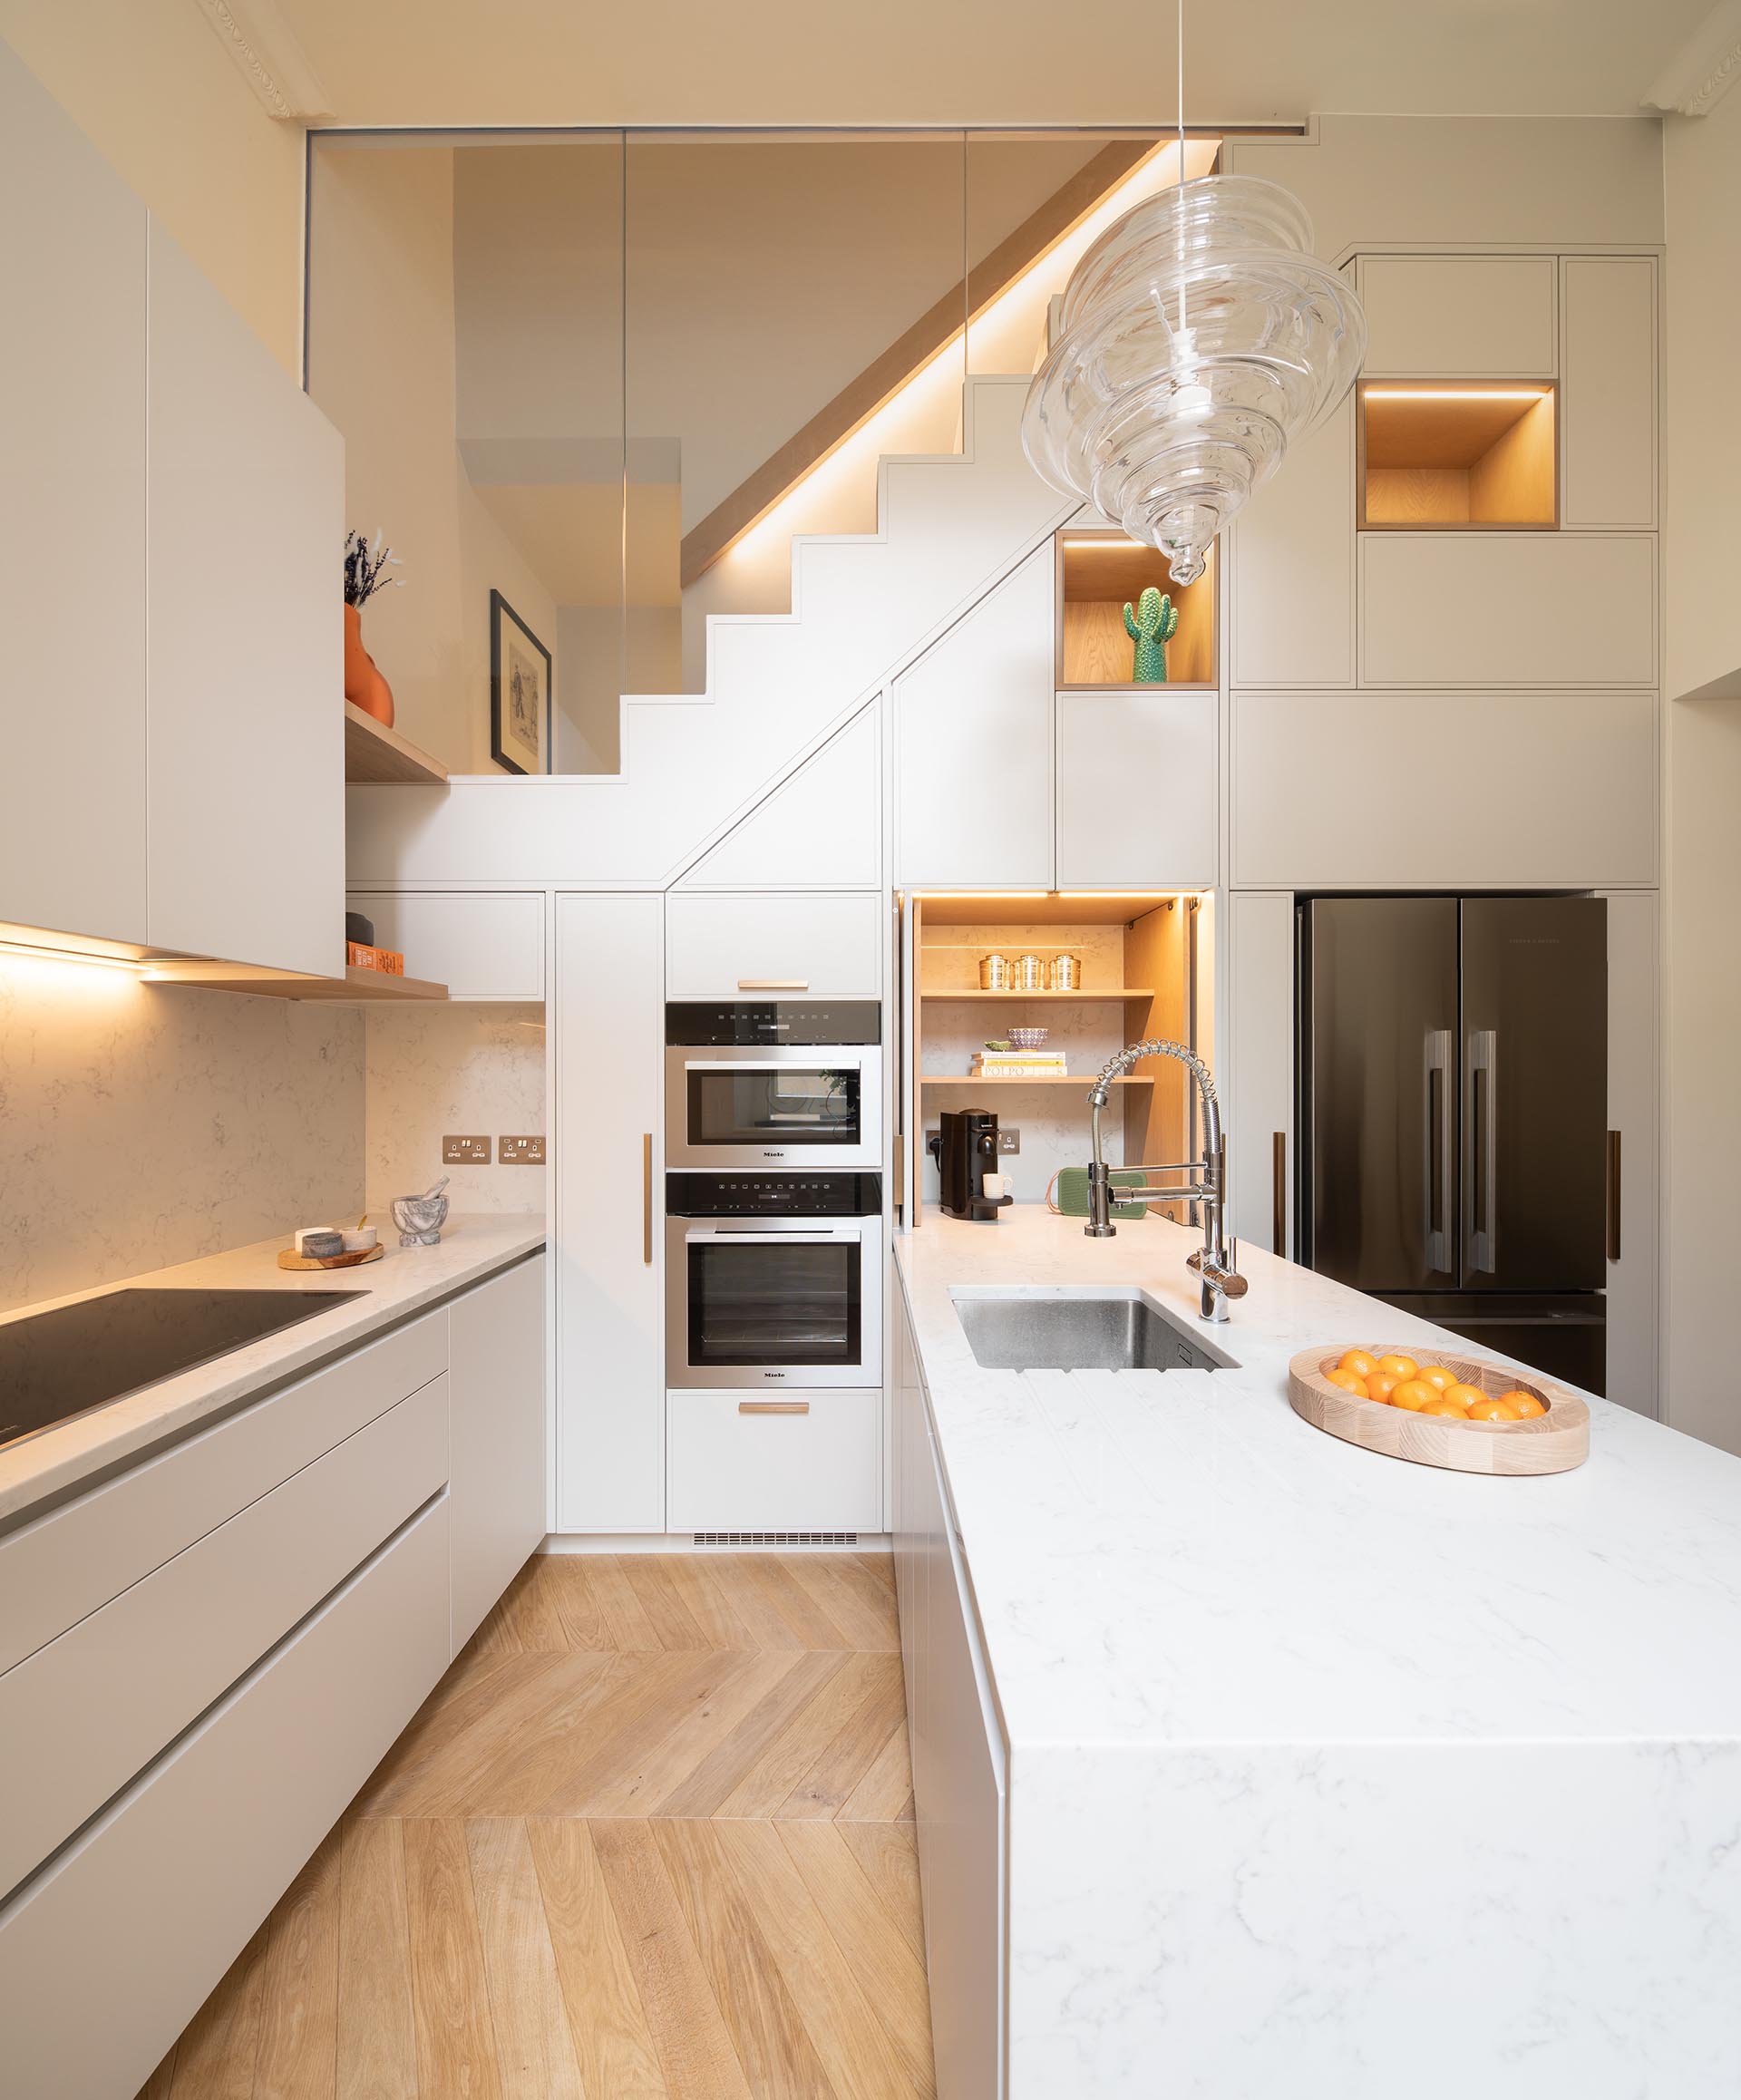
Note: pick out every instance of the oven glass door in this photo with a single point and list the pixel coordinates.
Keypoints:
(775, 1300)
(732, 1105)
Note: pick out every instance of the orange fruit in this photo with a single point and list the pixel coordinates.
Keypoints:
(1359, 1363)
(1444, 1404)
(1468, 1395)
(1492, 1410)
(1412, 1394)
(1380, 1386)
(1526, 1403)
(1437, 1375)
(1349, 1381)
(1398, 1367)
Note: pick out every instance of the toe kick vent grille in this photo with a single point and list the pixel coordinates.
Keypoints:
(776, 1538)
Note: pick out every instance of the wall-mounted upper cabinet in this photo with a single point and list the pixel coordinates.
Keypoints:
(169, 514)
(1609, 359)
(973, 745)
(1292, 566)
(1460, 317)
(1138, 800)
(821, 829)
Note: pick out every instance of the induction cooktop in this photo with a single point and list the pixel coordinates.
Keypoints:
(56, 1365)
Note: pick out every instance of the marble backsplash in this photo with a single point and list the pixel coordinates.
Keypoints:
(465, 1070)
(144, 1125)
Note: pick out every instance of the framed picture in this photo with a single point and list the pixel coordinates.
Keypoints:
(520, 692)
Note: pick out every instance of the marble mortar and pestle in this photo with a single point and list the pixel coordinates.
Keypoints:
(420, 1219)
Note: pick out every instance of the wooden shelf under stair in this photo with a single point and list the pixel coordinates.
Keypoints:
(1074, 999)
(381, 756)
(1032, 1079)
(356, 987)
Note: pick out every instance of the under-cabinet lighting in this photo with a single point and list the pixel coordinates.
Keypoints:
(1457, 393)
(32, 952)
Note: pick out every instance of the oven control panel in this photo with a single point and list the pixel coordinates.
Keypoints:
(730, 1024)
(772, 1195)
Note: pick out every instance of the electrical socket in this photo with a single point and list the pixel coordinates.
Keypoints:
(1009, 1140)
(465, 1151)
(521, 1151)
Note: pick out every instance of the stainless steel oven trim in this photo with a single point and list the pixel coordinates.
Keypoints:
(681, 1059)
(681, 1375)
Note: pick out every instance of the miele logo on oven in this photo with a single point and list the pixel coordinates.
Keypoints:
(773, 1374)
(778, 1156)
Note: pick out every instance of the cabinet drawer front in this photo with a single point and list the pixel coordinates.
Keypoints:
(730, 947)
(107, 1956)
(1138, 805)
(735, 1466)
(1534, 789)
(85, 1714)
(1458, 317)
(55, 1570)
(1507, 609)
(479, 947)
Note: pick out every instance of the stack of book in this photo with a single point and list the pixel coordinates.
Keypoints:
(1020, 1064)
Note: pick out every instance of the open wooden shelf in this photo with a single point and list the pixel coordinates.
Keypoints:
(1035, 1079)
(356, 987)
(1099, 573)
(380, 755)
(1458, 454)
(1074, 999)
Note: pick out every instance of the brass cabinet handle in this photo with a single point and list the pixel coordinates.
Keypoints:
(1613, 1195)
(1279, 1215)
(774, 984)
(773, 1406)
(647, 1198)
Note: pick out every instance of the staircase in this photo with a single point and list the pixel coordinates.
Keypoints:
(862, 606)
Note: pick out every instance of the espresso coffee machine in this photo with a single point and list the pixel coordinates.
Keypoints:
(966, 1150)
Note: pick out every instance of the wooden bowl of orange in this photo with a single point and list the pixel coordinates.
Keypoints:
(1452, 1410)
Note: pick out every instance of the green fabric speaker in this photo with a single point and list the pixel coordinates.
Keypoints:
(1068, 1194)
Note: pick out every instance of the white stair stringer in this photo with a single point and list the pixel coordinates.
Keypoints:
(949, 528)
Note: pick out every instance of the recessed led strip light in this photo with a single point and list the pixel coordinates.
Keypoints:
(1457, 392)
(32, 952)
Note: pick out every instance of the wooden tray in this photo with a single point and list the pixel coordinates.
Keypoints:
(289, 1258)
(1550, 1443)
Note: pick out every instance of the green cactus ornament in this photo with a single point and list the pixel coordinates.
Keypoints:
(1150, 626)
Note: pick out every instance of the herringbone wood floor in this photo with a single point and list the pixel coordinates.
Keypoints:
(649, 1838)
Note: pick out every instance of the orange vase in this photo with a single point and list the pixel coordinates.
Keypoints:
(364, 687)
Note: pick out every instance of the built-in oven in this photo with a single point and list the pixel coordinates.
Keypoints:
(758, 1084)
(774, 1278)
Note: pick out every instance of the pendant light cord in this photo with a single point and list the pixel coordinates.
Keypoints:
(1180, 118)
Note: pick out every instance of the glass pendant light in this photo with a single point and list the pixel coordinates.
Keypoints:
(1201, 336)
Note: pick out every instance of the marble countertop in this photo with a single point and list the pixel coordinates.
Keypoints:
(1177, 1560)
(405, 1280)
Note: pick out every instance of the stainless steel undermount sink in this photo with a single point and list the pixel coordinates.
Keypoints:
(1096, 1331)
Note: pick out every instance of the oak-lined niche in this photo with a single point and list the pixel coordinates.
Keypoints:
(1437, 455)
(1099, 573)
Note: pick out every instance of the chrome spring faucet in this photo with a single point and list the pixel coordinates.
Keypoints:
(1214, 1262)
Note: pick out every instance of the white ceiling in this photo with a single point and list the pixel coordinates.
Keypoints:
(1105, 62)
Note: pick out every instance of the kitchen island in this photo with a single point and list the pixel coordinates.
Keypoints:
(1305, 1771)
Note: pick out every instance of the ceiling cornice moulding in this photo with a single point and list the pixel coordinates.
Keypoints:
(268, 58)
(1705, 68)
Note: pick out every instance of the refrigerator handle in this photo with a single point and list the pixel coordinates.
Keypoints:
(1613, 1195)
(1440, 1175)
(1483, 1150)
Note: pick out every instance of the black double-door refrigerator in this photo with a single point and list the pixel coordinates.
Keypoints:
(1452, 1115)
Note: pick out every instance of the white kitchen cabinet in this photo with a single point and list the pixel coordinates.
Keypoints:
(1257, 1065)
(1608, 394)
(497, 1494)
(482, 944)
(801, 1461)
(960, 1772)
(1448, 316)
(1508, 608)
(909, 1441)
(821, 829)
(72, 526)
(1139, 790)
(973, 745)
(609, 1279)
(1291, 569)
(1634, 1012)
(1444, 791)
(825, 943)
(86, 1713)
(110, 1951)
(245, 735)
